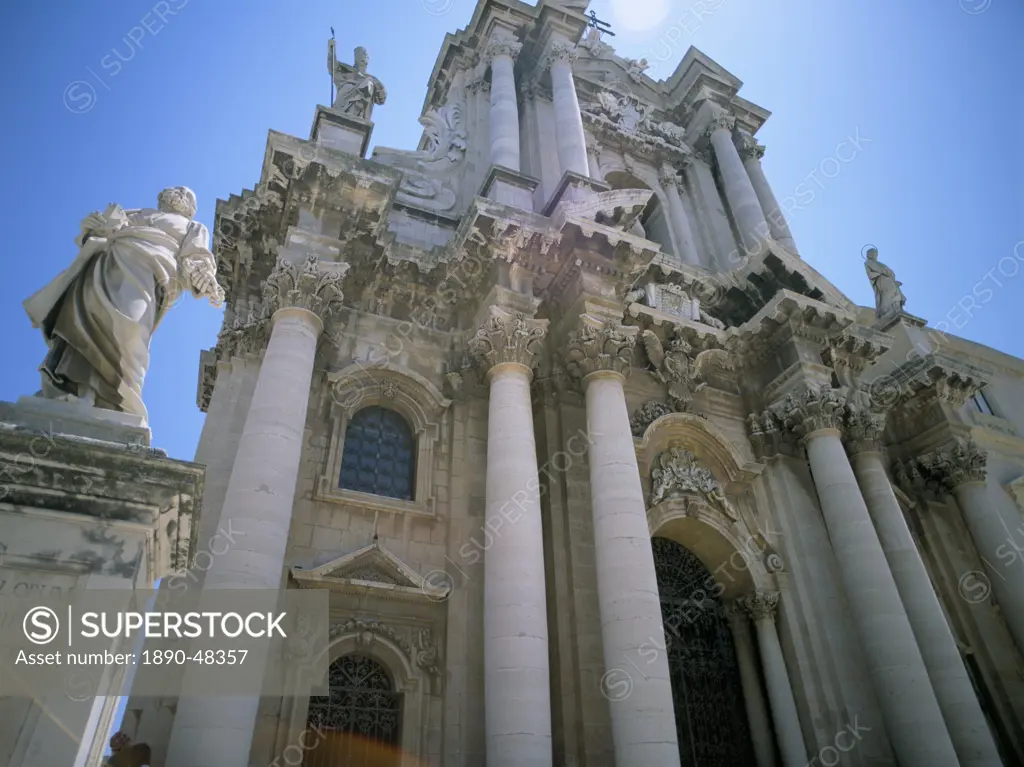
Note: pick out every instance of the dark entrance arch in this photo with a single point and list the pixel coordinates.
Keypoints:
(711, 720)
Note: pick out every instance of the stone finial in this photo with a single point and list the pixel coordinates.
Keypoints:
(607, 346)
(721, 122)
(314, 286)
(507, 338)
(501, 46)
(761, 605)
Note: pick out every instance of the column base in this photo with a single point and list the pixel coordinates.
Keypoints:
(509, 187)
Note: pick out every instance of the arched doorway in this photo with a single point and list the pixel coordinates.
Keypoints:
(357, 723)
(711, 720)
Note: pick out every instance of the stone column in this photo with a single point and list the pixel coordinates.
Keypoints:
(911, 711)
(753, 697)
(502, 54)
(967, 726)
(517, 681)
(743, 202)
(677, 215)
(217, 732)
(752, 152)
(569, 136)
(643, 722)
(993, 521)
(761, 607)
(594, 160)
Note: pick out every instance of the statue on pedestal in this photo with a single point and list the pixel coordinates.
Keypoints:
(99, 314)
(357, 90)
(889, 299)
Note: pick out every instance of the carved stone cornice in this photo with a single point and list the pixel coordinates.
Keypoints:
(507, 337)
(721, 122)
(761, 605)
(559, 51)
(597, 346)
(314, 286)
(501, 46)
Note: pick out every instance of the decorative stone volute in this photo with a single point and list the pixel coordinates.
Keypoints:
(750, 148)
(863, 429)
(761, 605)
(721, 122)
(598, 346)
(962, 463)
(501, 46)
(313, 285)
(559, 51)
(507, 337)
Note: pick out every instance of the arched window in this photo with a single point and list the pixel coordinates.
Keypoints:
(357, 723)
(711, 721)
(378, 454)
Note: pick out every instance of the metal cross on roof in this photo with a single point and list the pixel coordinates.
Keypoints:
(600, 26)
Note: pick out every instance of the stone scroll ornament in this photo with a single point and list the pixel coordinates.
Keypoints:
(99, 314)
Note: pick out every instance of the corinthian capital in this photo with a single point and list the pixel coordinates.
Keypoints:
(559, 51)
(668, 176)
(722, 122)
(750, 148)
(314, 286)
(502, 46)
(761, 605)
(813, 409)
(863, 429)
(962, 463)
(600, 346)
(507, 338)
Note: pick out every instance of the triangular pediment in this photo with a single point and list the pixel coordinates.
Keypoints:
(371, 569)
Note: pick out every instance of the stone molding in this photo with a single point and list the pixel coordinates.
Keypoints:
(416, 643)
(507, 337)
(314, 286)
(597, 346)
(761, 605)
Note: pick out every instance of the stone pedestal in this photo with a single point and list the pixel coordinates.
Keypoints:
(509, 187)
(336, 130)
(84, 504)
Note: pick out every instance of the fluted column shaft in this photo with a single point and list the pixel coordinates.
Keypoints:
(218, 732)
(643, 719)
(517, 680)
(569, 136)
(913, 720)
(968, 729)
(504, 104)
(778, 227)
(986, 508)
(743, 202)
(750, 680)
(677, 215)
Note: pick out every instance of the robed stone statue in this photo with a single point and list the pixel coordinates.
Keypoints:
(99, 314)
(357, 90)
(889, 299)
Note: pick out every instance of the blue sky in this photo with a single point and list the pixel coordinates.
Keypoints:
(107, 101)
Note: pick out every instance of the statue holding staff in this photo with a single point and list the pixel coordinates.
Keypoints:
(99, 314)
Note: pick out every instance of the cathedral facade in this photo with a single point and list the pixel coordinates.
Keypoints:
(597, 469)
